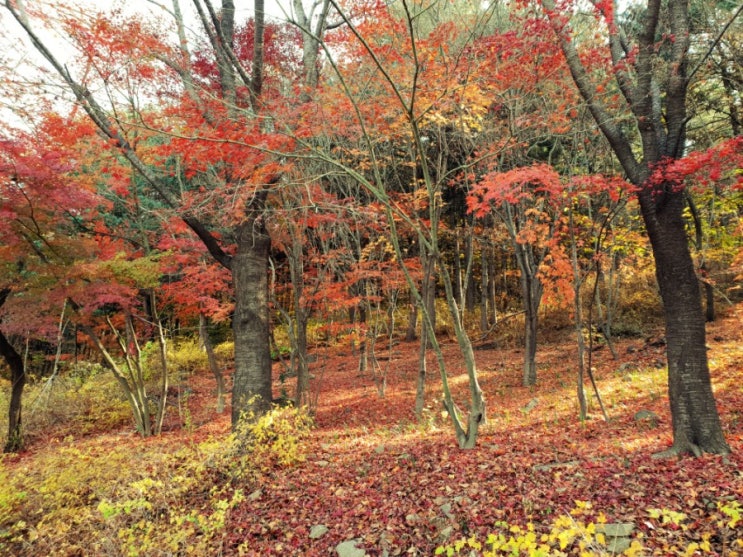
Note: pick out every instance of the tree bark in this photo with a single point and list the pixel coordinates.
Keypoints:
(18, 381)
(14, 443)
(531, 291)
(251, 393)
(696, 423)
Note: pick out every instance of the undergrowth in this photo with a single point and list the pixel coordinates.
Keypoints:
(84, 401)
(580, 533)
(114, 497)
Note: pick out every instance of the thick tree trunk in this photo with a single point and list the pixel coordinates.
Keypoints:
(660, 116)
(251, 393)
(696, 423)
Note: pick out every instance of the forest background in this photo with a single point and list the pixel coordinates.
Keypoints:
(357, 218)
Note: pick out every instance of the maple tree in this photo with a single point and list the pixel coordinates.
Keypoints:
(213, 91)
(340, 196)
(43, 208)
(240, 135)
(411, 110)
(661, 127)
(529, 202)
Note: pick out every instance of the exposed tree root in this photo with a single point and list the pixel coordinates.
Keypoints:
(678, 450)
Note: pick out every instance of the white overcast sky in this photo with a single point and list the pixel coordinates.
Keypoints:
(17, 47)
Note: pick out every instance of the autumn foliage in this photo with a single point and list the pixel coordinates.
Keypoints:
(366, 229)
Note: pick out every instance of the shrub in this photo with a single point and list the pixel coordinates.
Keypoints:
(86, 400)
(109, 496)
(566, 535)
(225, 353)
(275, 439)
(569, 535)
(187, 357)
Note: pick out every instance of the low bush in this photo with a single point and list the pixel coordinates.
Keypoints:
(582, 533)
(118, 496)
(77, 403)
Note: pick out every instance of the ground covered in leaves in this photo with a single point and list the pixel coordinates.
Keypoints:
(370, 472)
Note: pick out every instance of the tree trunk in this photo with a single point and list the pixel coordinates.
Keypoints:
(428, 299)
(410, 333)
(484, 290)
(213, 364)
(18, 381)
(162, 344)
(531, 290)
(299, 324)
(302, 395)
(420, 385)
(252, 393)
(696, 423)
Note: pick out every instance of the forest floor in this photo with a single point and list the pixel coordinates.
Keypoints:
(393, 485)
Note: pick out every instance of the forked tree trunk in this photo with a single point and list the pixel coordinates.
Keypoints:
(252, 393)
(134, 393)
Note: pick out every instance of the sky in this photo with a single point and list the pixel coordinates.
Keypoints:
(15, 48)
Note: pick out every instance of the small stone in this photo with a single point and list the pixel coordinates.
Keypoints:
(646, 416)
(318, 531)
(322, 463)
(617, 530)
(255, 495)
(349, 549)
(379, 449)
(531, 405)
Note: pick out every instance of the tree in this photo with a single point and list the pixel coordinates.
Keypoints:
(402, 75)
(651, 75)
(215, 138)
(529, 202)
(42, 209)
